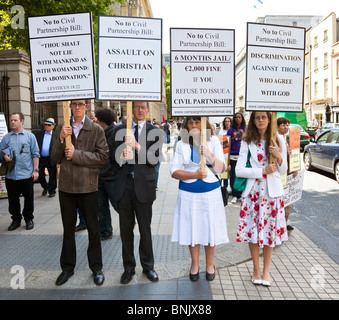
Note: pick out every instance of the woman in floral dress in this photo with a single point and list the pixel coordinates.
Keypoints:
(262, 216)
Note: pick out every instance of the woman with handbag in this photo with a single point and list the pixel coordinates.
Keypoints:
(199, 217)
(262, 216)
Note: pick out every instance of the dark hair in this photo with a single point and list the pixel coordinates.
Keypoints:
(106, 115)
(184, 133)
(282, 120)
(223, 123)
(243, 121)
(21, 115)
(252, 134)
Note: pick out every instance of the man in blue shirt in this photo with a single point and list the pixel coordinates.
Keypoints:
(45, 138)
(19, 181)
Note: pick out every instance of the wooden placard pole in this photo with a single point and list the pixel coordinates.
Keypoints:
(202, 143)
(65, 108)
(129, 121)
(273, 132)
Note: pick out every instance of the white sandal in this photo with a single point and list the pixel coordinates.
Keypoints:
(257, 281)
(266, 283)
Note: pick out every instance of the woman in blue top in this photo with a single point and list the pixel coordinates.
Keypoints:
(199, 215)
(236, 132)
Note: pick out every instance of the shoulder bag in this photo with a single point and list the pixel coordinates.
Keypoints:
(240, 183)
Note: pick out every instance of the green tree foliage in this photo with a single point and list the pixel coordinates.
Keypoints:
(11, 38)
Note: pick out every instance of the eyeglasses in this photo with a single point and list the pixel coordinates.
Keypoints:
(262, 118)
(74, 104)
(143, 108)
(48, 125)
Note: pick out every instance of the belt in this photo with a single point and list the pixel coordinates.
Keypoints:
(44, 157)
(130, 175)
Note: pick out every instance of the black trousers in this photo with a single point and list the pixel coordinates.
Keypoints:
(88, 204)
(15, 188)
(129, 208)
(45, 162)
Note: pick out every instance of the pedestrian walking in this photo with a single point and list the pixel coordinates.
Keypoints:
(236, 132)
(106, 118)
(135, 175)
(45, 138)
(199, 217)
(157, 167)
(262, 218)
(78, 186)
(20, 152)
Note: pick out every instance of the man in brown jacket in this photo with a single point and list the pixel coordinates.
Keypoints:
(78, 186)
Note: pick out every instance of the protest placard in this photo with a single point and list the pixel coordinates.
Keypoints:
(275, 68)
(62, 57)
(293, 192)
(129, 58)
(202, 72)
(294, 163)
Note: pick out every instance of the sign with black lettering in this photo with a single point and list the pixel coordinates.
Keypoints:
(62, 57)
(202, 72)
(275, 68)
(129, 58)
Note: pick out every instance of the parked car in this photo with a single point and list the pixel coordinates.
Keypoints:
(324, 153)
(311, 129)
(325, 127)
(304, 136)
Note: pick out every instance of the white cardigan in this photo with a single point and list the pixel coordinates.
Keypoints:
(182, 159)
(274, 184)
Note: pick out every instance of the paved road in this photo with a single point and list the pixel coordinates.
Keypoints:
(317, 214)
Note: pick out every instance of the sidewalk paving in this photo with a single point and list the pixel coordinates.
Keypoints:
(299, 269)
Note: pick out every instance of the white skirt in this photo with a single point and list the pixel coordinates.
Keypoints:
(200, 218)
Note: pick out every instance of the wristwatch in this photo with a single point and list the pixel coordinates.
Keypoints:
(36, 170)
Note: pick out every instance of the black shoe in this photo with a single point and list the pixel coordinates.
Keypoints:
(79, 228)
(106, 238)
(289, 228)
(14, 225)
(210, 276)
(63, 277)
(194, 277)
(44, 192)
(151, 275)
(99, 278)
(29, 224)
(51, 195)
(127, 276)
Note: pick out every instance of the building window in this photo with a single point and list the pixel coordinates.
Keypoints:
(337, 68)
(307, 89)
(325, 88)
(325, 36)
(315, 42)
(315, 90)
(337, 95)
(316, 64)
(325, 60)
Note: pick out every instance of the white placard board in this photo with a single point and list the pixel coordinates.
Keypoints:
(129, 58)
(275, 68)
(202, 72)
(62, 57)
(294, 189)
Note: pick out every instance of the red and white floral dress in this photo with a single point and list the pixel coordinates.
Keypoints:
(262, 219)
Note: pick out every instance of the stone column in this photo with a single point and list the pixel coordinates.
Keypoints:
(17, 63)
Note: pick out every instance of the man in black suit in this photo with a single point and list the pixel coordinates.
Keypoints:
(135, 176)
(45, 138)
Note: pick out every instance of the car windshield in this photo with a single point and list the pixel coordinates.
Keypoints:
(293, 125)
